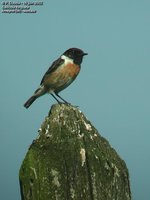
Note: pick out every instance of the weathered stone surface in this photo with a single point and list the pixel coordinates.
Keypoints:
(71, 161)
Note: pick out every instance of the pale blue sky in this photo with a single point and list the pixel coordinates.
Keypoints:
(112, 89)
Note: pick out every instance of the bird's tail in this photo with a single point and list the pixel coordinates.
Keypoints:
(30, 101)
(39, 92)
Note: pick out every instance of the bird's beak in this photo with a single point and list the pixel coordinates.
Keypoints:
(84, 54)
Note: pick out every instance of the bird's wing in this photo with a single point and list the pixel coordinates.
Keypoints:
(52, 68)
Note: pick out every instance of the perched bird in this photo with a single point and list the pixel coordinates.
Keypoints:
(60, 75)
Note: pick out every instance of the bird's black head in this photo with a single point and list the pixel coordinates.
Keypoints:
(75, 54)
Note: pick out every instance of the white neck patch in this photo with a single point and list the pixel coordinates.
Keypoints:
(67, 59)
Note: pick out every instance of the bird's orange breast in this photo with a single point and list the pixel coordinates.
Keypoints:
(71, 69)
(62, 76)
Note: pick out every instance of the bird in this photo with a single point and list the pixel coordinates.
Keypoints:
(60, 75)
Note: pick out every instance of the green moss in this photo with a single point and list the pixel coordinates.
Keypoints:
(70, 160)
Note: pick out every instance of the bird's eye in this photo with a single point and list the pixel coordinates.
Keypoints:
(70, 55)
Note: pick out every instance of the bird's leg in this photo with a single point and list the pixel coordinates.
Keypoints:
(62, 98)
(55, 98)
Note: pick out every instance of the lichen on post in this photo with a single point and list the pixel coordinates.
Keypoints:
(70, 160)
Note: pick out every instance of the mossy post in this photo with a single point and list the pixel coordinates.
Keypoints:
(71, 161)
